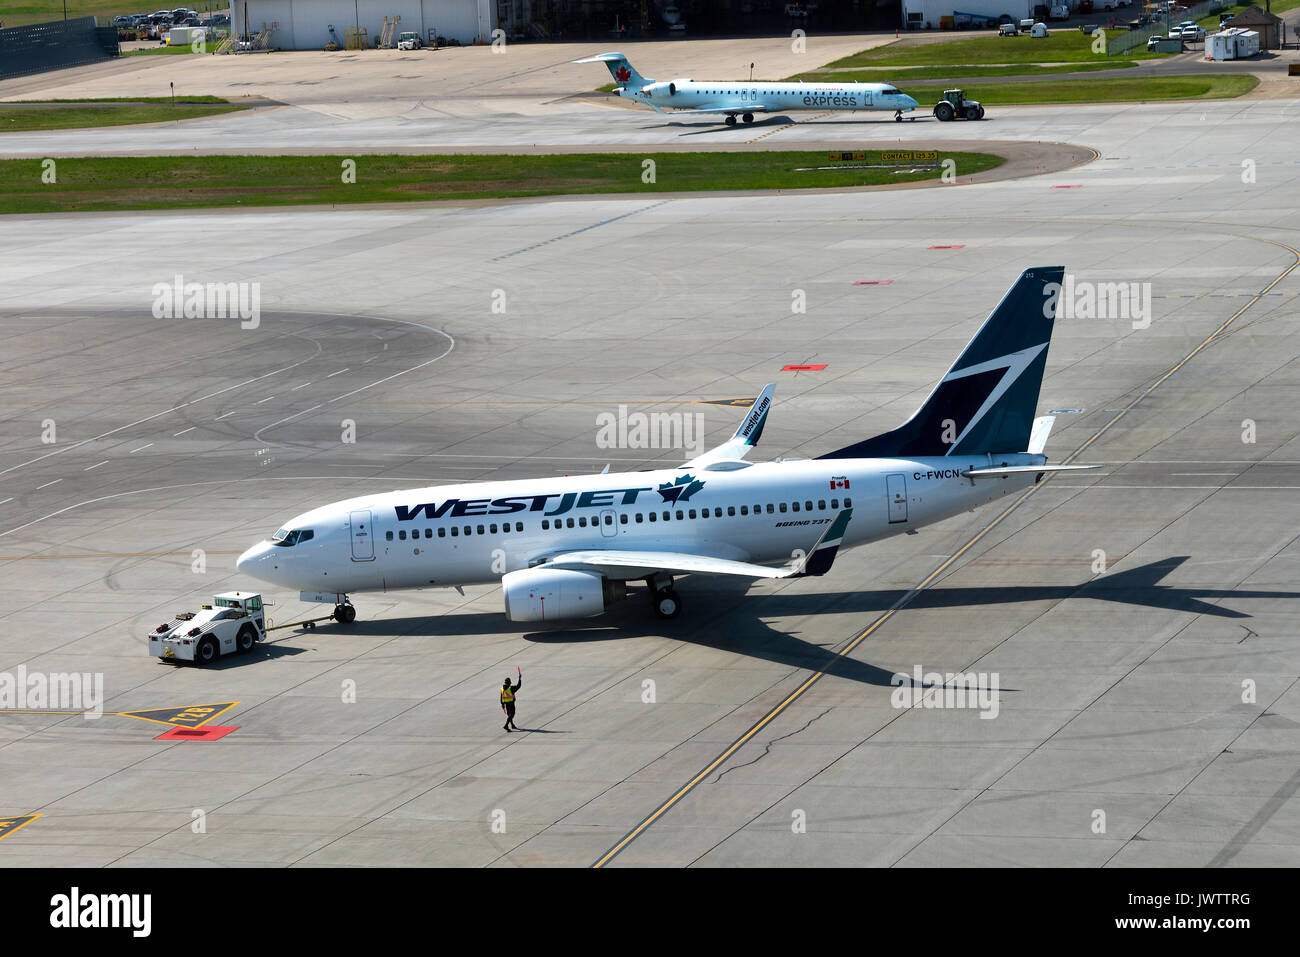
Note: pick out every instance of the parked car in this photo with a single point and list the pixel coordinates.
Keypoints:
(1085, 6)
(126, 20)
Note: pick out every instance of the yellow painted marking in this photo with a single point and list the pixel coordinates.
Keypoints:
(735, 403)
(929, 579)
(10, 824)
(184, 716)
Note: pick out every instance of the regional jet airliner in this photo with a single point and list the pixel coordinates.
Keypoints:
(719, 97)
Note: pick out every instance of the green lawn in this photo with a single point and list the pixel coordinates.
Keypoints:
(903, 74)
(119, 111)
(15, 13)
(181, 49)
(1061, 46)
(1100, 90)
(113, 183)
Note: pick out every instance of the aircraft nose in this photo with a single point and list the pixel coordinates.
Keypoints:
(911, 103)
(256, 560)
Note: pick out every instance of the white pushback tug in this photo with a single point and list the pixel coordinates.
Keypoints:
(234, 622)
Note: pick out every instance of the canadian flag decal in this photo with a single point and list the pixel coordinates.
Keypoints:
(839, 481)
(623, 74)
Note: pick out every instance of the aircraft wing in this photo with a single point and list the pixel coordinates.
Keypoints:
(631, 563)
(745, 437)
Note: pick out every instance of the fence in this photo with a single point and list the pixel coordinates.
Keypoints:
(38, 47)
(1118, 43)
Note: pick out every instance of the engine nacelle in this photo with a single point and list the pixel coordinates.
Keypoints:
(551, 594)
(658, 90)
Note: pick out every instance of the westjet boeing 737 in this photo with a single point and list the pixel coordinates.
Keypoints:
(746, 99)
(566, 547)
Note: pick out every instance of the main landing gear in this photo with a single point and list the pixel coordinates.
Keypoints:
(731, 119)
(663, 597)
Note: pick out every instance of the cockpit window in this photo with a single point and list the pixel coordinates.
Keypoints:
(287, 537)
(889, 91)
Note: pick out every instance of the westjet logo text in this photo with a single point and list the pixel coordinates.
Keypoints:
(458, 508)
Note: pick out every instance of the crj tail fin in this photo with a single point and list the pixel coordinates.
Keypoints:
(987, 401)
(624, 73)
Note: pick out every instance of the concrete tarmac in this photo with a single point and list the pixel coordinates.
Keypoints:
(1139, 619)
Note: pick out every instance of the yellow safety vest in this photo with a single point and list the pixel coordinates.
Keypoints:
(507, 696)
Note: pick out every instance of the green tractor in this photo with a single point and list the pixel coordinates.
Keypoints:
(955, 106)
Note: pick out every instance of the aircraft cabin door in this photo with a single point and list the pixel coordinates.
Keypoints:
(363, 536)
(896, 493)
(608, 523)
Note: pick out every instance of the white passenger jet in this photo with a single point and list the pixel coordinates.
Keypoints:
(567, 547)
(745, 99)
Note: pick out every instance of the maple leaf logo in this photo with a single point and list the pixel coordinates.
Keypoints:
(622, 74)
(680, 489)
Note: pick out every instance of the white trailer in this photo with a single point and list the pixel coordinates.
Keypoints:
(1231, 44)
(234, 622)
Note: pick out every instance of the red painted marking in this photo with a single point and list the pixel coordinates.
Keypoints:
(1071, 186)
(873, 282)
(209, 732)
(804, 368)
(954, 246)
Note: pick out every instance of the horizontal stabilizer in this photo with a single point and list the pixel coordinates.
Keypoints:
(1024, 470)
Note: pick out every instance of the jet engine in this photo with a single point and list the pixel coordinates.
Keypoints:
(551, 594)
(655, 90)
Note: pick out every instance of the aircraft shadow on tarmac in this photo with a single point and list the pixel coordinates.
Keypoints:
(732, 619)
(718, 127)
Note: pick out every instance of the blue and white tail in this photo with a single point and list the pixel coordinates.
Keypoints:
(988, 399)
(624, 73)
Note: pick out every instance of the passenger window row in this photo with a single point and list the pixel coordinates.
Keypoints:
(582, 521)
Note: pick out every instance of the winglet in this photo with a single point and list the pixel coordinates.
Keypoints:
(746, 435)
(751, 430)
(819, 560)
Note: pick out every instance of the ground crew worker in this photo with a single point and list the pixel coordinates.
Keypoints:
(508, 700)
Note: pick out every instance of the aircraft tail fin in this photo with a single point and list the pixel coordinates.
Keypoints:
(987, 400)
(623, 72)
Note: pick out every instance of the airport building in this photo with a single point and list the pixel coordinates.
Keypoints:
(305, 24)
(961, 14)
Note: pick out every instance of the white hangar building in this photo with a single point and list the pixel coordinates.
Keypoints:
(304, 24)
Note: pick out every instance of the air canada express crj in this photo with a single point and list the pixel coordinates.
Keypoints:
(731, 99)
(568, 547)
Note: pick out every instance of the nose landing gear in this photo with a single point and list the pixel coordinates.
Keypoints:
(898, 116)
